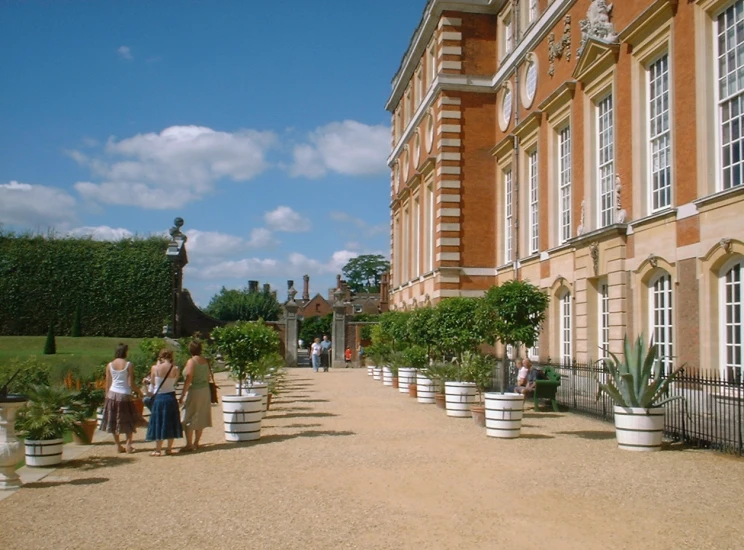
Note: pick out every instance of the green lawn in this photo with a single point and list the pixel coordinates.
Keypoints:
(82, 354)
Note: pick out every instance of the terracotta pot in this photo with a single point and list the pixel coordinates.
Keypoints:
(412, 390)
(139, 405)
(479, 415)
(440, 400)
(88, 428)
(395, 381)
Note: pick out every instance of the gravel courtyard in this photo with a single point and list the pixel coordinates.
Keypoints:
(345, 462)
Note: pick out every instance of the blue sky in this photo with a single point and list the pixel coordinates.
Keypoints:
(260, 122)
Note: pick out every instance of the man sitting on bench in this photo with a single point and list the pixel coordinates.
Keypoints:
(526, 379)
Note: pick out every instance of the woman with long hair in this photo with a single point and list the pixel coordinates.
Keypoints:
(165, 421)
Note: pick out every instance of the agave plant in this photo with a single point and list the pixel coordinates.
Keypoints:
(637, 381)
(440, 372)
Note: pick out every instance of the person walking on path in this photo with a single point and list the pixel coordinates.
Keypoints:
(165, 420)
(325, 353)
(196, 397)
(120, 416)
(347, 357)
(315, 354)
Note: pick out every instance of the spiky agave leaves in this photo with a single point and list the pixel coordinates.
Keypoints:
(637, 381)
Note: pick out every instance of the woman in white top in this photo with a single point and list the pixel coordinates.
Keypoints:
(120, 416)
(315, 354)
(165, 418)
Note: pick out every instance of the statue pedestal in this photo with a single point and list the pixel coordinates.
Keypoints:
(11, 448)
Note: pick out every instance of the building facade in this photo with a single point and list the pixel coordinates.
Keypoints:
(593, 149)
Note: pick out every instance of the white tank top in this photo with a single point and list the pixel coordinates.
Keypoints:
(120, 379)
(169, 385)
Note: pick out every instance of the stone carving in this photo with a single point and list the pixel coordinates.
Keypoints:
(594, 250)
(597, 25)
(291, 292)
(427, 300)
(620, 213)
(653, 260)
(175, 231)
(560, 48)
(726, 245)
(582, 229)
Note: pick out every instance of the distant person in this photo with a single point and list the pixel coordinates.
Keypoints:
(526, 379)
(165, 420)
(360, 351)
(196, 397)
(315, 354)
(299, 343)
(347, 357)
(120, 416)
(325, 353)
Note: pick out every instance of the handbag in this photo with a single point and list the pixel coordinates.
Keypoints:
(148, 399)
(213, 394)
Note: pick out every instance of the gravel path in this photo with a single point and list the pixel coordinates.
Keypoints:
(347, 463)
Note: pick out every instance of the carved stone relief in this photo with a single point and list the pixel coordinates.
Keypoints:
(726, 245)
(597, 25)
(582, 228)
(653, 260)
(559, 48)
(620, 213)
(594, 250)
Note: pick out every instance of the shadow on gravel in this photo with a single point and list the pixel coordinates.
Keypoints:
(543, 415)
(536, 436)
(590, 434)
(47, 484)
(95, 462)
(292, 426)
(309, 401)
(302, 415)
(273, 438)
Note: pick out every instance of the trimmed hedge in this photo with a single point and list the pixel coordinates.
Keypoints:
(122, 288)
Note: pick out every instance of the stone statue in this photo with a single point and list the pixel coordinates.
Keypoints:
(175, 231)
(597, 25)
(581, 229)
(620, 213)
(559, 48)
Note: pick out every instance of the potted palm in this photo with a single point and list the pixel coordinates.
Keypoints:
(43, 422)
(459, 389)
(392, 368)
(639, 391)
(437, 374)
(244, 345)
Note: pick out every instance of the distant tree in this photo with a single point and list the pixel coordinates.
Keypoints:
(315, 327)
(50, 346)
(364, 273)
(242, 305)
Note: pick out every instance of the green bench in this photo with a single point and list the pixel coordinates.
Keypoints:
(547, 388)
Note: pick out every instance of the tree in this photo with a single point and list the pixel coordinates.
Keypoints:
(456, 331)
(242, 305)
(50, 346)
(364, 273)
(394, 329)
(315, 327)
(512, 314)
(422, 330)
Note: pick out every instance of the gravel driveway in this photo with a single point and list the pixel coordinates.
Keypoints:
(347, 463)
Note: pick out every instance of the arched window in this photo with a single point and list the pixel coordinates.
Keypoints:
(565, 328)
(661, 322)
(732, 327)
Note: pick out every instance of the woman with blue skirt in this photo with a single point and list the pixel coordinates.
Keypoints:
(165, 418)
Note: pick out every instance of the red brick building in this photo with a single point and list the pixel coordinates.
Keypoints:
(593, 149)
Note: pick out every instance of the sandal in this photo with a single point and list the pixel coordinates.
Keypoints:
(186, 449)
(156, 453)
(121, 449)
(131, 450)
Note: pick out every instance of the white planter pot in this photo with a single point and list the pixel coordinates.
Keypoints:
(242, 416)
(639, 429)
(261, 388)
(370, 370)
(11, 448)
(425, 390)
(459, 396)
(99, 417)
(406, 377)
(504, 414)
(377, 374)
(44, 453)
(387, 377)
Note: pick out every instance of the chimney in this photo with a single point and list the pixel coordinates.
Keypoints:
(252, 286)
(384, 292)
(267, 288)
(338, 281)
(306, 288)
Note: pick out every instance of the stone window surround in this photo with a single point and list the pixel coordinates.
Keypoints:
(558, 290)
(530, 59)
(528, 144)
(642, 279)
(722, 326)
(504, 153)
(650, 39)
(505, 19)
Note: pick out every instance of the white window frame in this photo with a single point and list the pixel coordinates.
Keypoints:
(534, 206)
(406, 255)
(564, 184)
(731, 307)
(661, 318)
(431, 63)
(603, 314)
(508, 34)
(605, 158)
(532, 11)
(428, 228)
(566, 325)
(658, 133)
(419, 85)
(416, 211)
(736, 177)
(508, 215)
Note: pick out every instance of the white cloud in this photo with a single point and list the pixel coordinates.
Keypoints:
(101, 233)
(369, 230)
(349, 148)
(33, 206)
(353, 245)
(337, 261)
(238, 269)
(125, 52)
(169, 169)
(262, 238)
(212, 243)
(283, 218)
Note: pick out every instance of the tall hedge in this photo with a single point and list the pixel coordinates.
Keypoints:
(122, 288)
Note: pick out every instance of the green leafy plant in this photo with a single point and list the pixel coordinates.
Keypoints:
(477, 368)
(244, 305)
(415, 357)
(456, 331)
(315, 327)
(637, 380)
(422, 329)
(378, 354)
(47, 414)
(75, 332)
(243, 345)
(440, 372)
(364, 273)
(393, 329)
(50, 346)
(30, 372)
(396, 361)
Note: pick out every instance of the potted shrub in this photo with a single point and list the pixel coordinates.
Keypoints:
(243, 345)
(459, 389)
(392, 368)
(414, 358)
(438, 373)
(43, 422)
(639, 391)
(86, 403)
(478, 369)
